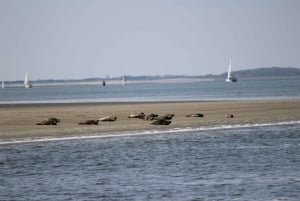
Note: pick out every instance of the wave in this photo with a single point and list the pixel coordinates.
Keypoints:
(146, 132)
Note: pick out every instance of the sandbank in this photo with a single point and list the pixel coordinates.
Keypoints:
(19, 121)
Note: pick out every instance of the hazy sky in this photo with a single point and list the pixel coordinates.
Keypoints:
(54, 39)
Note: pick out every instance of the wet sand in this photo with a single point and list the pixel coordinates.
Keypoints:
(19, 121)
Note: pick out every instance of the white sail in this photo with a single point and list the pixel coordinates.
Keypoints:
(26, 78)
(124, 80)
(3, 84)
(26, 81)
(229, 70)
(230, 78)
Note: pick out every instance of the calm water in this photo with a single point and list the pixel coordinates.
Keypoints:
(208, 90)
(254, 163)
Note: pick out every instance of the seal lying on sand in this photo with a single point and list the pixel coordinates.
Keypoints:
(229, 116)
(89, 122)
(53, 119)
(137, 115)
(195, 115)
(50, 121)
(161, 122)
(164, 117)
(108, 118)
(150, 117)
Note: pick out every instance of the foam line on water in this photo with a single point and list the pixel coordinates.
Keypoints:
(146, 132)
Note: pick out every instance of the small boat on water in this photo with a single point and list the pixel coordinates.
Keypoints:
(230, 77)
(3, 85)
(26, 81)
(124, 80)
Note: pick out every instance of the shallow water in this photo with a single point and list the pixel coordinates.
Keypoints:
(250, 163)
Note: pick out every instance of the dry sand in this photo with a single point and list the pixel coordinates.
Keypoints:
(19, 121)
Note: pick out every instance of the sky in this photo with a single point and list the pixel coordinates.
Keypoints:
(74, 39)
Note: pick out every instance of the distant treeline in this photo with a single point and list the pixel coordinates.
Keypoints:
(266, 72)
(251, 73)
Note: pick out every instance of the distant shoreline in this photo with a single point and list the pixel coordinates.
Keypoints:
(142, 81)
(112, 82)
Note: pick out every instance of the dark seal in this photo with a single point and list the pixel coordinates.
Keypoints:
(50, 121)
(161, 122)
(229, 116)
(89, 122)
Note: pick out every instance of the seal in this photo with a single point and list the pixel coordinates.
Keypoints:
(161, 122)
(50, 121)
(137, 115)
(165, 117)
(89, 122)
(53, 119)
(229, 116)
(195, 115)
(150, 117)
(46, 122)
(108, 118)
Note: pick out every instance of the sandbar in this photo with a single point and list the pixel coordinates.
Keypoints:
(18, 121)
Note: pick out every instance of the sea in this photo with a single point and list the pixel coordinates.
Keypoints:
(159, 91)
(226, 162)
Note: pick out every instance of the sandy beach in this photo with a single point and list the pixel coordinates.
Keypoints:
(19, 121)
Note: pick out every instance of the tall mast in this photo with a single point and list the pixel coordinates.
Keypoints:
(26, 78)
(229, 69)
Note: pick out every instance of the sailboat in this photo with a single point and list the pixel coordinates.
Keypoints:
(124, 80)
(3, 85)
(26, 81)
(230, 78)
